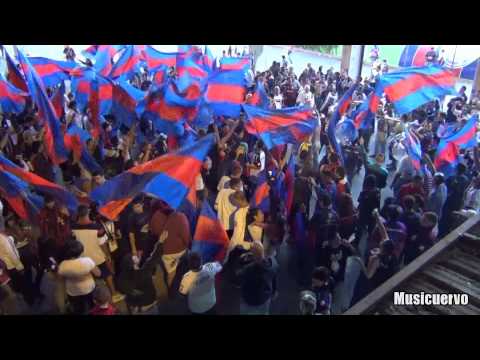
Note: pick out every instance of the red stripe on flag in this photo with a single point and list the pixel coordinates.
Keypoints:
(413, 83)
(225, 93)
(175, 166)
(261, 193)
(269, 123)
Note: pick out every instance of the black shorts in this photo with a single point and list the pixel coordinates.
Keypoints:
(104, 270)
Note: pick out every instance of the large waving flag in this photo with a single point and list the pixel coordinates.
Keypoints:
(341, 109)
(160, 75)
(260, 97)
(104, 58)
(449, 147)
(208, 59)
(166, 116)
(51, 71)
(75, 140)
(125, 100)
(58, 99)
(410, 88)
(277, 127)
(168, 177)
(12, 100)
(15, 191)
(261, 196)
(83, 81)
(226, 93)
(53, 133)
(210, 239)
(189, 208)
(39, 184)
(14, 76)
(155, 58)
(234, 63)
(190, 63)
(127, 64)
(204, 116)
(364, 116)
(413, 147)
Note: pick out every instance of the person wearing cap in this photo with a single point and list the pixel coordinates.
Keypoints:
(437, 197)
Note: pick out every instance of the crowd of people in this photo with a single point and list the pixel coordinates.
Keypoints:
(96, 264)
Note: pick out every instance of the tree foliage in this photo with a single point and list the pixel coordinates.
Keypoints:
(326, 49)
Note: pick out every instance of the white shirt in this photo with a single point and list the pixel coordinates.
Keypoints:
(199, 184)
(278, 101)
(91, 244)
(77, 274)
(9, 253)
(200, 287)
(225, 208)
(472, 199)
(406, 167)
(238, 237)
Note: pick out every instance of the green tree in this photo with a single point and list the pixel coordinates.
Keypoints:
(326, 49)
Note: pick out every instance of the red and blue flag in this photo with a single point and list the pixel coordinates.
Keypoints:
(364, 116)
(341, 109)
(155, 58)
(81, 85)
(189, 208)
(128, 63)
(39, 184)
(12, 100)
(58, 99)
(234, 63)
(261, 196)
(413, 147)
(125, 100)
(168, 177)
(51, 71)
(14, 75)
(260, 97)
(21, 199)
(104, 58)
(225, 93)
(410, 88)
(53, 132)
(210, 239)
(208, 59)
(448, 149)
(75, 141)
(277, 127)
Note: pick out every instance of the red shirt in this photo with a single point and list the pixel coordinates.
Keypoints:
(411, 189)
(50, 226)
(110, 310)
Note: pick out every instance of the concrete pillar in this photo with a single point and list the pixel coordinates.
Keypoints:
(356, 61)
(346, 53)
(476, 81)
